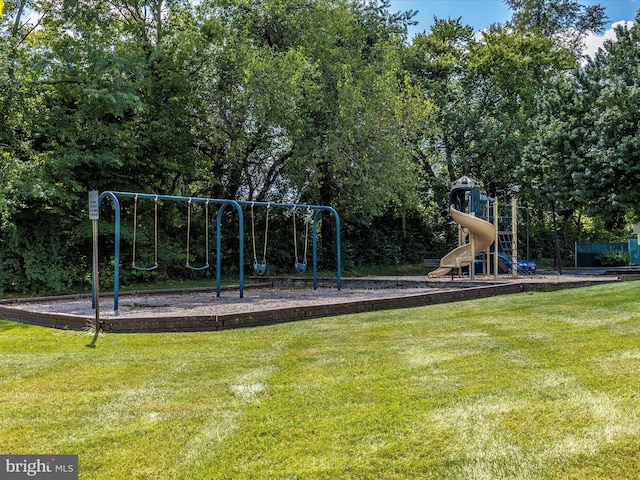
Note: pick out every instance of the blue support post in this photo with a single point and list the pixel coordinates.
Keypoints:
(314, 242)
(218, 250)
(219, 247)
(338, 248)
(116, 254)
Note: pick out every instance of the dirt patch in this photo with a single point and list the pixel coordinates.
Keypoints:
(206, 303)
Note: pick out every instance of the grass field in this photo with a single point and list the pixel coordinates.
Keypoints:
(526, 386)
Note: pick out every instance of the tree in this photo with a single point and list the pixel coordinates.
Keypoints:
(558, 161)
(439, 63)
(352, 151)
(21, 102)
(613, 165)
(511, 70)
(303, 100)
(250, 88)
(564, 21)
(118, 106)
(100, 89)
(507, 77)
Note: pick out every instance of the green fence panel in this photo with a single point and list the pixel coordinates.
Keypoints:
(588, 254)
(634, 252)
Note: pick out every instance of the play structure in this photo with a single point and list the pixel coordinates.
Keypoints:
(311, 216)
(478, 229)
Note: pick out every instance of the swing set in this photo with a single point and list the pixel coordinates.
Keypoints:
(155, 237)
(312, 214)
(260, 268)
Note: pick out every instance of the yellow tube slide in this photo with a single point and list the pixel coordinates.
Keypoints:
(484, 235)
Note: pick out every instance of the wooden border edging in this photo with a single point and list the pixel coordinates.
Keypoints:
(53, 320)
(198, 323)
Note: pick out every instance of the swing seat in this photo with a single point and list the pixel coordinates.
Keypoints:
(301, 267)
(260, 268)
(197, 269)
(144, 269)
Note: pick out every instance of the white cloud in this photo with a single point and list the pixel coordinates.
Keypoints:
(595, 42)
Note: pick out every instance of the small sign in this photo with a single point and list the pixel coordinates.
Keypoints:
(94, 210)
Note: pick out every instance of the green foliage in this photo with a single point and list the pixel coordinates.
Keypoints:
(37, 261)
(391, 240)
(614, 258)
(564, 21)
(438, 63)
(321, 102)
(614, 164)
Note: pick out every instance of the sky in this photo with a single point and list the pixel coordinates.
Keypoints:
(482, 13)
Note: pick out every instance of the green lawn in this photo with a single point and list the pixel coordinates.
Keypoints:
(524, 386)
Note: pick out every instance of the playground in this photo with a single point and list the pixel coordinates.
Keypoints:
(269, 302)
(270, 299)
(485, 376)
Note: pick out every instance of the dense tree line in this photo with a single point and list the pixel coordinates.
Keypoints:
(309, 101)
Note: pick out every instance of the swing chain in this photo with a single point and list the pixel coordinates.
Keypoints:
(253, 236)
(307, 220)
(155, 234)
(260, 268)
(206, 241)
(266, 233)
(295, 236)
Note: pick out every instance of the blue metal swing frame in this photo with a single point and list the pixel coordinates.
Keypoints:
(237, 204)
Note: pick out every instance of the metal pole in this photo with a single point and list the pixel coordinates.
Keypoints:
(314, 243)
(514, 238)
(116, 253)
(96, 287)
(93, 215)
(240, 248)
(218, 250)
(472, 242)
(338, 248)
(496, 223)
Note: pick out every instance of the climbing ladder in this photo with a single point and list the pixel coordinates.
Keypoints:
(505, 241)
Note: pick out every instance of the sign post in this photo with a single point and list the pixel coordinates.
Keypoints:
(94, 214)
(514, 238)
